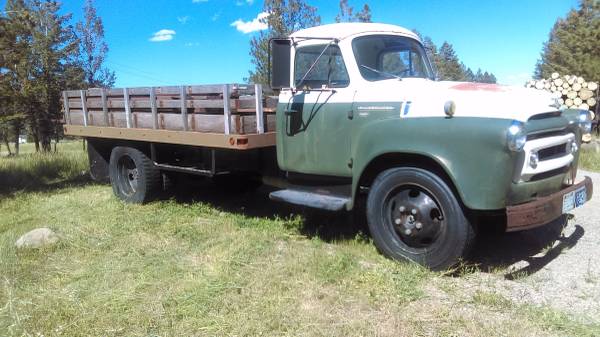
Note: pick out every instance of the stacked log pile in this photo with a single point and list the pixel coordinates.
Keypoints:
(573, 92)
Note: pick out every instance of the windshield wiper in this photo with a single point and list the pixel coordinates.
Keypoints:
(380, 72)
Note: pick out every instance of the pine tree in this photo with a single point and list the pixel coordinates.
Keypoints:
(286, 17)
(93, 49)
(573, 46)
(347, 14)
(54, 50)
(469, 76)
(446, 63)
(16, 64)
(450, 68)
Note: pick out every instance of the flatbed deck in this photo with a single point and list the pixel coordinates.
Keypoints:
(212, 140)
(228, 116)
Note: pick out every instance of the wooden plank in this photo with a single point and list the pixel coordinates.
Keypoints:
(206, 89)
(211, 140)
(226, 110)
(67, 109)
(182, 101)
(127, 108)
(138, 103)
(83, 107)
(73, 93)
(104, 107)
(198, 122)
(153, 108)
(260, 123)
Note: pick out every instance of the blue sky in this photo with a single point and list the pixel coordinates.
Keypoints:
(196, 41)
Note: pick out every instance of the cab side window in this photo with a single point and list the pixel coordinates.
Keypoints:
(329, 71)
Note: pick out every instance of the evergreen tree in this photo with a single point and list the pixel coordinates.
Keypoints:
(450, 68)
(446, 63)
(347, 14)
(16, 64)
(93, 49)
(573, 46)
(285, 17)
(469, 76)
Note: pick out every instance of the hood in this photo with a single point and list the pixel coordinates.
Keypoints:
(471, 99)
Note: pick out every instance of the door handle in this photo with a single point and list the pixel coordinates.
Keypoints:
(350, 114)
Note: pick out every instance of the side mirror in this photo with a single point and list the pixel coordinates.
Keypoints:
(280, 51)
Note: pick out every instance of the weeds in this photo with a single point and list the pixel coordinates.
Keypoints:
(171, 268)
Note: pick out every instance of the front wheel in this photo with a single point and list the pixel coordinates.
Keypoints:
(414, 215)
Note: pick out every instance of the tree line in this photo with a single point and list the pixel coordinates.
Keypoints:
(288, 16)
(573, 45)
(41, 54)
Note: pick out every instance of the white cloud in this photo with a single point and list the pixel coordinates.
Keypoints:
(197, 1)
(216, 16)
(192, 44)
(183, 19)
(244, 2)
(258, 23)
(163, 35)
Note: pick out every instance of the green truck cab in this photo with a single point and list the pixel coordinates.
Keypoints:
(360, 124)
(361, 101)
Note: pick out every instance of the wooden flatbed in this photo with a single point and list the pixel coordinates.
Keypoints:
(229, 116)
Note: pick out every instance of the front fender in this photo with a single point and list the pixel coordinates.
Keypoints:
(471, 150)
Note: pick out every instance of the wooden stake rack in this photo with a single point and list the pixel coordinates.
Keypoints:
(226, 115)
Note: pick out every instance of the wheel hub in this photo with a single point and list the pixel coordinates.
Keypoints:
(416, 217)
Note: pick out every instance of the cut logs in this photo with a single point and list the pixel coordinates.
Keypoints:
(572, 92)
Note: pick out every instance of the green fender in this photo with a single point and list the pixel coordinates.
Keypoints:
(471, 150)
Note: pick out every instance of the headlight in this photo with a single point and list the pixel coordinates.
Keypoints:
(516, 137)
(585, 122)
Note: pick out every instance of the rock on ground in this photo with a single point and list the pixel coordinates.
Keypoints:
(37, 238)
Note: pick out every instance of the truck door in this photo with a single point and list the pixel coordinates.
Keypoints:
(314, 133)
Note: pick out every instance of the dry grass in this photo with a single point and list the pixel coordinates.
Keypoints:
(187, 268)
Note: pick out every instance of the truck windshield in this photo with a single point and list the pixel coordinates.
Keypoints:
(382, 57)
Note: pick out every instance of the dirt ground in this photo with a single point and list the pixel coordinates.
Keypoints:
(543, 267)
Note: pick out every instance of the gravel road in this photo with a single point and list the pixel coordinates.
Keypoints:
(544, 267)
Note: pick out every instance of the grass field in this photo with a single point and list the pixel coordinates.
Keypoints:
(216, 263)
(590, 160)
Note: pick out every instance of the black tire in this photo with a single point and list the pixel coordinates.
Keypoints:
(444, 235)
(133, 176)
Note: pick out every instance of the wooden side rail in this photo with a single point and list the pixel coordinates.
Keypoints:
(226, 108)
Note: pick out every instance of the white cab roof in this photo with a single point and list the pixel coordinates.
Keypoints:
(341, 31)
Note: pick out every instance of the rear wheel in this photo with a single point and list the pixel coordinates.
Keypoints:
(133, 176)
(414, 215)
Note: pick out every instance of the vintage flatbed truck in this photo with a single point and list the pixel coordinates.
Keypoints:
(360, 120)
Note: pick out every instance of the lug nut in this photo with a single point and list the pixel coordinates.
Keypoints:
(407, 231)
(418, 225)
(398, 221)
(402, 208)
(414, 211)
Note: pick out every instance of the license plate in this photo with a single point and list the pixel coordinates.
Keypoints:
(574, 199)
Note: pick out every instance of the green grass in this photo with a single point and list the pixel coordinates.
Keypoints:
(227, 265)
(589, 160)
(31, 170)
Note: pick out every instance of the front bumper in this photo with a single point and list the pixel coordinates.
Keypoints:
(542, 210)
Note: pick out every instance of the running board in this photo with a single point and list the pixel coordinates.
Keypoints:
(311, 199)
